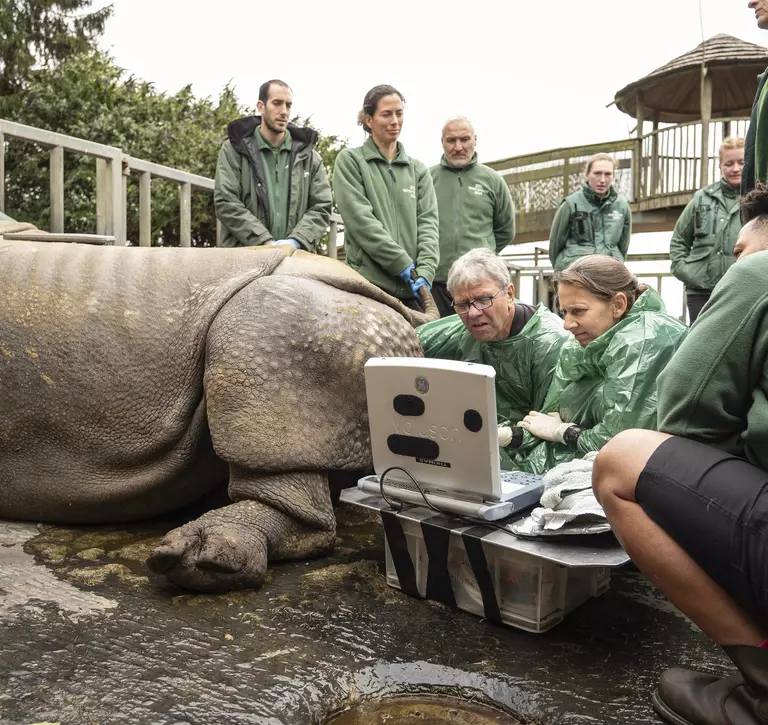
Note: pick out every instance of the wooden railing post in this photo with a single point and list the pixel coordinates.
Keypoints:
(2, 172)
(566, 177)
(218, 233)
(103, 197)
(542, 288)
(637, 155)
(124, 200)
(145, 209)
(185, 210)
(115, 203)
(57, 190)
(655, 157)
(706, 117)
(332, 233)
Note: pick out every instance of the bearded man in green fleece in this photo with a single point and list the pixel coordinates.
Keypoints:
(271, 186)
(474, 205)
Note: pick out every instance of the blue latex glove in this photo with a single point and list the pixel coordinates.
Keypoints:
(419, 282)
(290, 242)
(405, 275)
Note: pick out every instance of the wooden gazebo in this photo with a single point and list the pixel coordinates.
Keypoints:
(692, 102)
(715, 80)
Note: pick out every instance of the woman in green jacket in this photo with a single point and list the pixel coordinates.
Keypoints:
(387, 202)
(592, 220)
(701, 249)
(605, 379)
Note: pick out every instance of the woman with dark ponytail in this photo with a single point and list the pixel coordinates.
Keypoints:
(605, 379)
(387, 202)
(690, 504)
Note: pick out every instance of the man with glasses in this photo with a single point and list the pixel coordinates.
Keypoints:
(522, 343)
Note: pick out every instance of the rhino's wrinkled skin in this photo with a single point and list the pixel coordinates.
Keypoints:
(132, 381)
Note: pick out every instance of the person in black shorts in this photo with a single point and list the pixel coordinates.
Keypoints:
(690, 504)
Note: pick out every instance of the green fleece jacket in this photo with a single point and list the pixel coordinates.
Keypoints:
(524, 363)
(475, 209)
(701, 248)
(586, 224)
(715, 389)
(242, 198)
(756, 145)
(390, 216)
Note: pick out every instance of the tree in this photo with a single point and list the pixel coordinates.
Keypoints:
(43, 32)
(87, 96)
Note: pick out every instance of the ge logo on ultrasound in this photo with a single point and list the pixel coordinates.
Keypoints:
(422, 385)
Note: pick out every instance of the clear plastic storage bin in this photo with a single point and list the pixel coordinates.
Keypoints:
(532, 593)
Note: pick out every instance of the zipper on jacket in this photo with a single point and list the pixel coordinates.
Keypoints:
(457, 222)
(394, 207)
(293, 158)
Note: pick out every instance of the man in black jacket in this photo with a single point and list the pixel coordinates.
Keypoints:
(271, 186)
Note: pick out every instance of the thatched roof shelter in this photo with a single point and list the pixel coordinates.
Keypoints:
(673, 93)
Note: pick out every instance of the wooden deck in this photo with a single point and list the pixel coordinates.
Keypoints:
(658, 172)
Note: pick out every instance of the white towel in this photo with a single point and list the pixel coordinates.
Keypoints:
(568, 496)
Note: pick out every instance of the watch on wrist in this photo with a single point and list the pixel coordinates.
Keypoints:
(517, 437)
(571, 435)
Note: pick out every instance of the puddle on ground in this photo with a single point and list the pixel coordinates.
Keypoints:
(422, 710)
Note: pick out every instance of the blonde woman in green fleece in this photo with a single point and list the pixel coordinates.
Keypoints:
(701, 248)
(387, 202)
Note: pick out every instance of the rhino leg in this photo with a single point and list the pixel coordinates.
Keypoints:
(229, 548)
(285, 397)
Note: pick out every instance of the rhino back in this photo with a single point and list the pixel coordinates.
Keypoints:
(102, 413)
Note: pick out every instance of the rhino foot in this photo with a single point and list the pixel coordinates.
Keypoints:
(221, 551)
(229, 548)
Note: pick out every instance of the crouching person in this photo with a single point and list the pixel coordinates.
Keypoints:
(690, 505)
(520, 342)
(605, 380)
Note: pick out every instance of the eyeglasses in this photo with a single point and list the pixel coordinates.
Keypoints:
(481, 303)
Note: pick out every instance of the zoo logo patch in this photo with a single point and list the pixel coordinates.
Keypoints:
(411, 191)
(478, 190)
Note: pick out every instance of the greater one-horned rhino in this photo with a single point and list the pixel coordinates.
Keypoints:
(132, 381)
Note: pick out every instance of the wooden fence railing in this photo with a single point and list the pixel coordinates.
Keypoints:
(661, 169)
(113, 168)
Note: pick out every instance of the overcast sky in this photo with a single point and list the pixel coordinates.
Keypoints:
(530, 74)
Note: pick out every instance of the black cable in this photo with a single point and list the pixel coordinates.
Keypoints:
(398, 506)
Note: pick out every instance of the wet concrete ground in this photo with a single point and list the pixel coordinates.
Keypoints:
(88, 635)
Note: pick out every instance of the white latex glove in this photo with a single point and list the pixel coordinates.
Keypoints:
(505, 435)
(549, 427)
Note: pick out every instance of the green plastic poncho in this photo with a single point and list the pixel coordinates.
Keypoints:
(524, 363)
(607, 386)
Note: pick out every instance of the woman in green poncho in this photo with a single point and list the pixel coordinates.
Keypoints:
(605, 380)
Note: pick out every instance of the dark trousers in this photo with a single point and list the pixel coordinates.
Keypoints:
(696, 300)
(442, 299)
